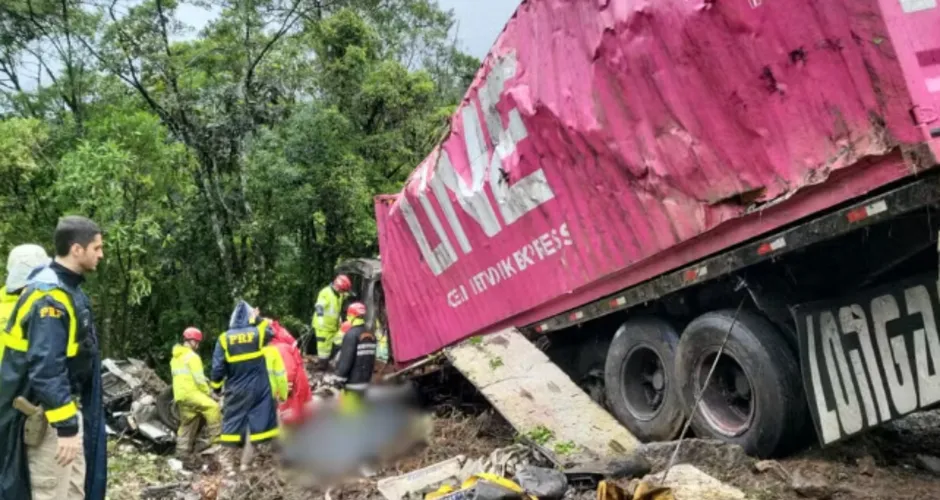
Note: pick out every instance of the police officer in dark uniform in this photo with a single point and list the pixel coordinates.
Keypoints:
(239, 366)
(52, 360)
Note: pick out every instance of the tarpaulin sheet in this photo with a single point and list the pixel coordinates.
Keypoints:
(602, 135)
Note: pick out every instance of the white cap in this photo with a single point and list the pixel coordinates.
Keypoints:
(22, 260)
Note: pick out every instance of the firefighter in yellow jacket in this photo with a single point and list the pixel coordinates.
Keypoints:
(327, 318)
(192, 394)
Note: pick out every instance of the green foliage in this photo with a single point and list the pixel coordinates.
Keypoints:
(496, 362)
(239, 161)
(565, 448)
(540, 435)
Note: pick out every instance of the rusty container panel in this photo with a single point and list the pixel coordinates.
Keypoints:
(605, 141)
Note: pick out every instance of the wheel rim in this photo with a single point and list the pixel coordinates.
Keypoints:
(727, 403)
(644, 382)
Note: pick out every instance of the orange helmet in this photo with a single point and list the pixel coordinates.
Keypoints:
(356, 310)
(192, 333)
(345, 326)
(342, 283)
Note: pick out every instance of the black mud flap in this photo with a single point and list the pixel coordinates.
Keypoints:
(870, 357)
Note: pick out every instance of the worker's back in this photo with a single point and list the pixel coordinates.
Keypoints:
(240, 365)
(246, 369)
(186, 368)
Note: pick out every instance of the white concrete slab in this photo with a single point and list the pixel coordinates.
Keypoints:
(534, 395)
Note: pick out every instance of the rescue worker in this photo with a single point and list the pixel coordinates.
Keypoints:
(52, 360)
(356, 358)
(22, 260)
(191, 392)
(326, 318)
(240, 364)
(291, 411)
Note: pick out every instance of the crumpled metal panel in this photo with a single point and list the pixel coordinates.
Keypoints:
(601, 137)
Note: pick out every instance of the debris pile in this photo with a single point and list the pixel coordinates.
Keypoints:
(472, 449)
(138, 404)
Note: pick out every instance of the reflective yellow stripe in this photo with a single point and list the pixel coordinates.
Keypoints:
(238, 358)
(17, 344)
(265, 435)
(216, 385)
(61, 413)
(181, 372)
(261, 328)
(235, 438)
(14, 339)
(224, 344)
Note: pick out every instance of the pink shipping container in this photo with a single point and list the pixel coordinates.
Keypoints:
(605, 142)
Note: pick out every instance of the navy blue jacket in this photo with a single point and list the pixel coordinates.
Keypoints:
(52, 358)
(238, 365)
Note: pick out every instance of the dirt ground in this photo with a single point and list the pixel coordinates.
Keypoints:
(891, 462)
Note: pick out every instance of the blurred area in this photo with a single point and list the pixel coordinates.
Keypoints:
(345, 435)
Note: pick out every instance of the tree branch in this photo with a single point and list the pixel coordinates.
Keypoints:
(169, 71)
(284, 28)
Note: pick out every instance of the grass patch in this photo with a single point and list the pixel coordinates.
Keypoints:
(540, 435)
(565, 448)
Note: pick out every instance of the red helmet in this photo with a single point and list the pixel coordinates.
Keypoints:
(192, 333)
(342, 283)
(356, 310)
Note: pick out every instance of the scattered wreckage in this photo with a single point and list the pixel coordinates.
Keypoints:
(139, 404)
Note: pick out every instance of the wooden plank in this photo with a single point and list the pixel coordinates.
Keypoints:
(538, 398)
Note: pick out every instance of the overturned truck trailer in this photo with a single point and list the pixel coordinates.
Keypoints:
(638, 179)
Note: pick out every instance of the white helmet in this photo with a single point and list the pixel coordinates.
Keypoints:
(22, 260)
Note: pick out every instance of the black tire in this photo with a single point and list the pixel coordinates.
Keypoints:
(754, 398)
(168, 411)
(638, 375)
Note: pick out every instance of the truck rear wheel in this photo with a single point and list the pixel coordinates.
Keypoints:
(753, 398)
(638, 375)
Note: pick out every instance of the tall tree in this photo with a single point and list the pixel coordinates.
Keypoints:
(237, 161)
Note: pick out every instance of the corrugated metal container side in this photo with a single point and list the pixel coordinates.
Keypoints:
(604, 142)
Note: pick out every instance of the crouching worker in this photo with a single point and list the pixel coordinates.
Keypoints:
(356, 359)
(192, 394)
(240, 364)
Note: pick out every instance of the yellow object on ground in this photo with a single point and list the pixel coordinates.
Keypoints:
(646, 491)
(350, 402)
(478, 480)
(610, 491)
